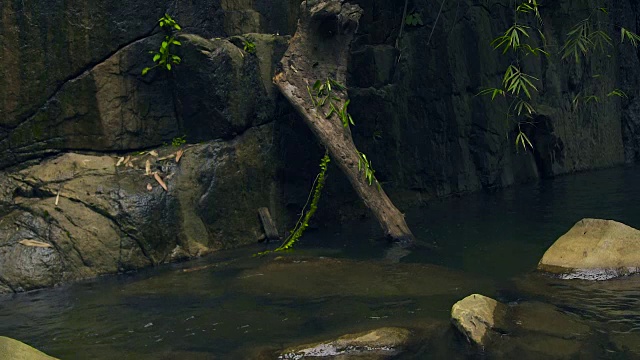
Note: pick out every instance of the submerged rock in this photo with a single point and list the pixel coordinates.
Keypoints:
(546, 320)
(628, 343)
(594, 249)
(314, 278)
(528, 330)
(612, 305)
(16, 350)
(375, 344)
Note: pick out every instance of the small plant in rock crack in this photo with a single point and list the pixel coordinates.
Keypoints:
(249, 45)
(179, 141)
(165, 56)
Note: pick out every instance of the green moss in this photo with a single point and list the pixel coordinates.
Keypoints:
(303, 222)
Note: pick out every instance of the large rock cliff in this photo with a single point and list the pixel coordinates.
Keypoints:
(420, 118)
(71, 87)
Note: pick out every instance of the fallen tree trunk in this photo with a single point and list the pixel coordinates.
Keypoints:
(319, 50)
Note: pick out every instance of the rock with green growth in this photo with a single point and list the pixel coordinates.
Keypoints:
(17, 350)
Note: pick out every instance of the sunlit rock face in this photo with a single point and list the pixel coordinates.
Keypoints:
(14, 349)
(476, 316)
(74, 102)
(594, 249)
(77, 216)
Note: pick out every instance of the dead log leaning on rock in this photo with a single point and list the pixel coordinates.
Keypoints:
(319, 50)
(270, 229)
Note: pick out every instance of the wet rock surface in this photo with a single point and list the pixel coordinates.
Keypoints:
(96, 215)
(594, 249)
(448, 140)
(371, 345)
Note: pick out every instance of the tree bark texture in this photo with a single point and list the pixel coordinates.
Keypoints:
(319, 50)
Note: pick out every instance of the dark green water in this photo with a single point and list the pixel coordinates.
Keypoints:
(230, 305)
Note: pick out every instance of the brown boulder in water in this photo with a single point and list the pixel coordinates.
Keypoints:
(594, 249)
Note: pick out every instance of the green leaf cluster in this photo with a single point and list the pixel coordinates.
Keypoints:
(414, 19)
(522, 139)
(323, 93)
(525, 37)
(168, 22)
(364, 165)
(249, 45)
(179, 141)
(515, 81)
(582, 39)
(165, 57)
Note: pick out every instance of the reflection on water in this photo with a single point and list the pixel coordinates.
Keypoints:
(227, 305)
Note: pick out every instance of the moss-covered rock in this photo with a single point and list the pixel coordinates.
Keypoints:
(16, 350)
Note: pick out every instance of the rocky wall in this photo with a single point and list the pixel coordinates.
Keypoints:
(420, 120)
(72, 98)
(70, 71)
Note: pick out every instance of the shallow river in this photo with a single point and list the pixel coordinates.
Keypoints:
(232, 306)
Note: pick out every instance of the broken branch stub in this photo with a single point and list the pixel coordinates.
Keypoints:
(319, 50)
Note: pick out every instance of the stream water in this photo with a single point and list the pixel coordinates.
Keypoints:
(231, 305)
